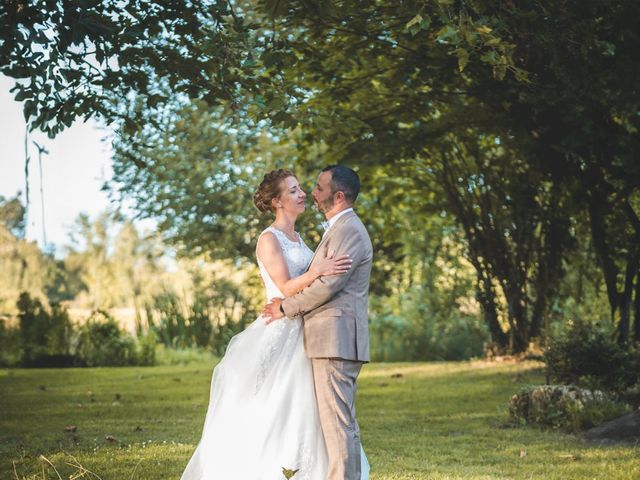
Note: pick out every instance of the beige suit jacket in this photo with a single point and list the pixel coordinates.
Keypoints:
(335, 308)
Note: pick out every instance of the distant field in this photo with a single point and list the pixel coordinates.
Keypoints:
(418, 421)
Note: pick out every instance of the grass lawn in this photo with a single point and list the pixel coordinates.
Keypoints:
(418, 421)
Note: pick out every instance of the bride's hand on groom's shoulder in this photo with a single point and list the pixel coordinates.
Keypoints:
(271, 312)
(331, 265)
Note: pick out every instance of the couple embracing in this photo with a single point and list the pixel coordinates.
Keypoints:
(283, 395)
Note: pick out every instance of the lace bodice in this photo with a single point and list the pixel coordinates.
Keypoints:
(297, 256)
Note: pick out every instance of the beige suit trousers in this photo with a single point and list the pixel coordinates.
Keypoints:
(335, 382)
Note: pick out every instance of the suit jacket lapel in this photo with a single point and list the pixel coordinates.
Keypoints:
(331, 232)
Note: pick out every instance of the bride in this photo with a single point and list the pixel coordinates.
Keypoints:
(263, 416)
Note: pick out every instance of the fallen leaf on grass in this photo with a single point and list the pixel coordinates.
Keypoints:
(289, 473)
(523, 453)
(570, 456)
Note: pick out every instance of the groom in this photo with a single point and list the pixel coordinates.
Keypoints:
(336, 334)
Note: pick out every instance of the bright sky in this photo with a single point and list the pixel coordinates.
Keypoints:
(77, 165)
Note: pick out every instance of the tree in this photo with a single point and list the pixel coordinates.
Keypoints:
(24, 267)
(12, 215)
(383, 86)
(198, 179)
(113, 265)
(76, 60)
(378, 85)
(73, 58)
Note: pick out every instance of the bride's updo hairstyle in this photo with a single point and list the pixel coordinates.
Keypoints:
(270, 188)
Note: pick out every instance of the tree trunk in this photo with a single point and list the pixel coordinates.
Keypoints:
(607, 264)
(626, 298)
(487, 298)
(636, 315)
(633, 270)
(519, 332)
(538, 313)
(549, 271)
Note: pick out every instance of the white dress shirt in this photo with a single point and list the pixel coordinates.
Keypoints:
(329, 223)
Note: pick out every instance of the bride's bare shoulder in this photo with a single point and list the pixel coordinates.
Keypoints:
(268, 245)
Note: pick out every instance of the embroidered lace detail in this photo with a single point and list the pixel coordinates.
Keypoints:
(282, 335)
(306, 462)
(296, 254)
(274, 332)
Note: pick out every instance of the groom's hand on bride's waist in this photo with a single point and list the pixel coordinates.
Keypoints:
(273, 311)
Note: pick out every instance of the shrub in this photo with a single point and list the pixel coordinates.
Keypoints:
(587, 354)
(45, 336)
(215, 314)
(47, 339)
(147, 349)
(564, 406)
(416, 325)
(101, 342)
(10, 348)
(171, 326)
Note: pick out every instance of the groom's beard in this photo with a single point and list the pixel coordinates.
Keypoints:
(325, 205)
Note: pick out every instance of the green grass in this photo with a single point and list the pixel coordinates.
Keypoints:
(418, 421)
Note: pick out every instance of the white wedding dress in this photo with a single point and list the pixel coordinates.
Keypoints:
(262, 414)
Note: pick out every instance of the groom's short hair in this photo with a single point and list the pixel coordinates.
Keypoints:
(345, 180)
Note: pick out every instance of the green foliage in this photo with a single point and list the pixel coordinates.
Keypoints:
(415, 325)
(48, 339)
(13, 215)
(567, 407)
(171, 327)
(10, 340)
(515, 219)
(101, 342)
(465, 104)
(434, 96)
(73, 57)
(215, 314)
(452, 104)
(147, 345)
(24, 269)
(110, 264)
(196, 174)
(588, 354)
(45, 336)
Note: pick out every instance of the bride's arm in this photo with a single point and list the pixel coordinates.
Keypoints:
(271, 256)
